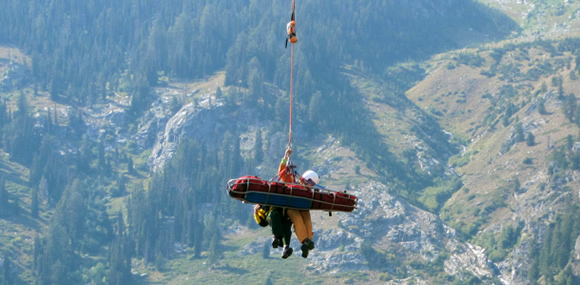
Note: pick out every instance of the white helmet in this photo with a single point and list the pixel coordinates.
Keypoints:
(311, 175)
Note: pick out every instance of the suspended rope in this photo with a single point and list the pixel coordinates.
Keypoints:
(289, 193)
(291, 93)
(291, 33)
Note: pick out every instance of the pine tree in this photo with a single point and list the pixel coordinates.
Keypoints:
(315, 112)
(519, 130)
(34, 207)
(561, 94)
(3, 116)
(23, 107)
(545, 254)
(215, 249)
(530, 140)
(7, 277)
(120, 255)
(219, 94)
(4, 202)
(517, 185)
(534, 271)
(570, 107)
(130, 169)
(258, 152)
(101, 156)
(37, 251)
(541, 106)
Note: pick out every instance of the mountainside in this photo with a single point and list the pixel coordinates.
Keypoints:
(511, 180)
(455, 125)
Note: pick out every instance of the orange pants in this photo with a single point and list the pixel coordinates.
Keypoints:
(302, 224)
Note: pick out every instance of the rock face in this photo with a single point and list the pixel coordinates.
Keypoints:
(417, 233)
(15, 77)
(191, 121)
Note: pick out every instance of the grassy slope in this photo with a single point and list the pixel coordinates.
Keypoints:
(544, 18)
(485, 172)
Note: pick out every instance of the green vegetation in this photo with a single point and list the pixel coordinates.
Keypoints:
(462, 160)
(551, 256)
(433, 198)
(501, 245)
(470, 59)
(98, 213)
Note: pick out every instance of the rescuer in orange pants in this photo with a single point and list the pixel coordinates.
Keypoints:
(300, 218)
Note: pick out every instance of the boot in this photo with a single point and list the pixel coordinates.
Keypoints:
(309, 243)
(276, 241)
(304, 249)
(287, 252)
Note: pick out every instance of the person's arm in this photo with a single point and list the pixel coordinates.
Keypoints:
(284, 160)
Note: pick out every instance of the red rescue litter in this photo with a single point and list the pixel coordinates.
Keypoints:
(253, 189)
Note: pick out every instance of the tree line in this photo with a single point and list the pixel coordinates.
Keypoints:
(82, 51)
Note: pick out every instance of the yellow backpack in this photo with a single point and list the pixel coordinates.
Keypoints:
(260, 217)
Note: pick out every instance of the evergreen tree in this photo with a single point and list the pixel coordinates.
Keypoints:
(40, 160)
(258, 152)
(566, 240)
(4, 202)
(255, 82)
(34, 207)
(315, 112)
(534, 271)
(85, 156)
(7, 276)
(570, 107)
(20, 138)
(517, 186)
(215, 249)
(530, 140)
(519, 132)
(541, 106)
(3, 116)
(23, 107)
(543, 88)
(101, 163)
(120, 255)
(577, 116)
(58, 263)
(37, 252)
(219, 94)
(545, 254)
(130, 169)
(505, 120)
(198, 238)
(141, 96)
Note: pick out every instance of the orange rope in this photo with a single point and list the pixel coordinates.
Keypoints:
(291, 95)
(291, 82)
